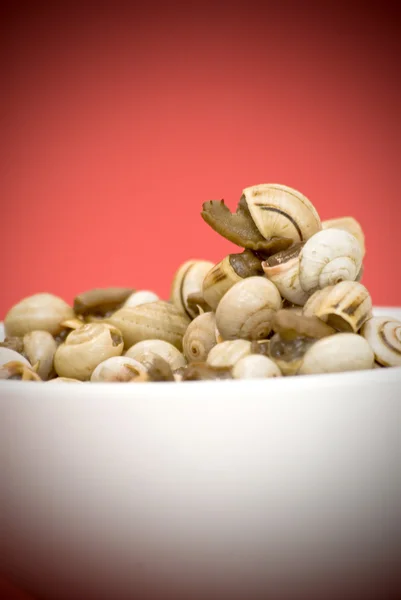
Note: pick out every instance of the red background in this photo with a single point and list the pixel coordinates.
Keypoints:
(117, 123)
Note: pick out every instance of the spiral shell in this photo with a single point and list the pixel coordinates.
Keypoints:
(232, 269)
(18, 370)
(164, 349)
(312, 305)
(280, 211)
(200, 337)
(64, 380)
(336, 354)
(152, 321)
(346, 307)
(118, 369)
(189, 280)
(384, 337)
(228, 353)
(329, 257)
(285, 277)
(347, 224)
(246, 310)
(85, 348)
(254, 366)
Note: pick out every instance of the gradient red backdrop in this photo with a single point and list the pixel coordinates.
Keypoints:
(117, 123)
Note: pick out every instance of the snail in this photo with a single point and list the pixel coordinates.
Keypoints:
(18, 370)
(164, 349)
(384, 336)
(291, 325)
(348, 224)
(101, 301)
(8, 355)
(255, 366)
(38, 312)
(327, 258)
(269, 218)
(141, 297)
(314, 302)
(228, 353)
(260, 347)
(187, 281)
(282, 269)
(346, 307)
(118, 369)
(338, 353)
(40, 347)
(233, 268)
(158, 320)
(200, 337)
(85, 348)
(246, 310)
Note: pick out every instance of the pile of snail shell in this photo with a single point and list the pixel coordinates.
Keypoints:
(290, 303)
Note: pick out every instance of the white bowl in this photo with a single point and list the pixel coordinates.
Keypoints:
(230, 489)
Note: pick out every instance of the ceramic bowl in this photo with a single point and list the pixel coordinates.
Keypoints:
(228, 489)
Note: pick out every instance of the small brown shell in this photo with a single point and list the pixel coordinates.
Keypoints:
(100, 301)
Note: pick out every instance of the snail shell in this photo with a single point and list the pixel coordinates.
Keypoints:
(255, 366)
(141, 297)
(233, 268)
(347, 224)
(38, 312)
(280, 211)
(152, 321)
(338, 353)
(85, 348)
(283, 270)
(384, 336)
(200, 337)
(346, 307)
(8, 355)
(18, 370)
(330, 256)
(40, 347)
(246, 310)
(164, 349)
(118, 369)
(228, 353)
(189, 280)
(314, 302)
